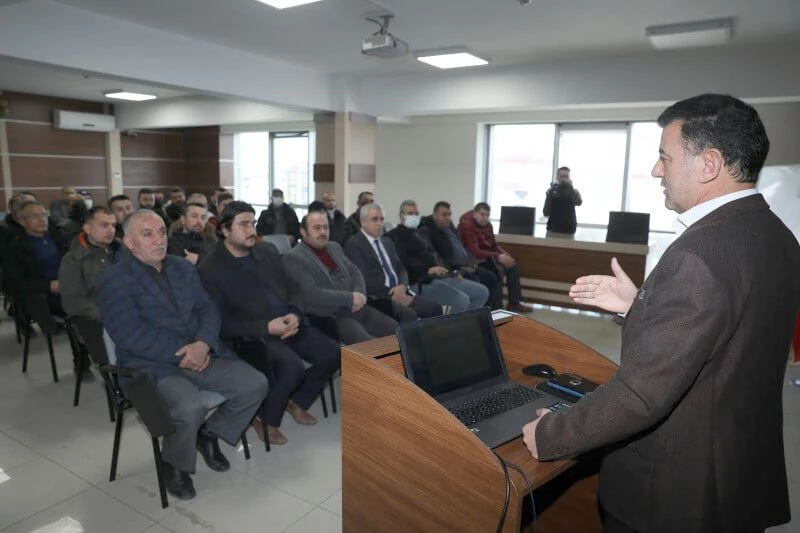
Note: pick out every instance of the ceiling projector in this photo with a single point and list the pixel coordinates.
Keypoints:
(383, 44)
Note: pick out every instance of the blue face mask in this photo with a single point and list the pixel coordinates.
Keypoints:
(411, 221)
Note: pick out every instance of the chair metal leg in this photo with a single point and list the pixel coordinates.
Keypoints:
(52, 357)
(76, 398)
(111, 414)
(324, 404)
(333, 394)
(25, 349)
(245, 445)
(267, 445)
(115, 450)
(160, 473)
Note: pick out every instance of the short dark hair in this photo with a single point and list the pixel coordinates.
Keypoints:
(563, 168)
(117, 198)
(316, 205)
(220, 189)
(230, 212)
(304, 222)
(481, 206)
(224, 196)
(98, 209)
(725, 123)
(177, 189)
(441, 204)
(362, 194)
(23, 205)
(276, 191)
(185, 207)
(146, 191)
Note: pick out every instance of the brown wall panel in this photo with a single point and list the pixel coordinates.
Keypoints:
(42, 139)
(202, 147)
(46, 196)
(361, 173)
(202, 173)
(40, 108)
(226, 174)
(324, 172)
(153, 145)
(57, 172)
(139, 173)
(3, 201)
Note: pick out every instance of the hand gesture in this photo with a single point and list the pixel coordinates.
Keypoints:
(529, 432)
(191, 257)
(398, 294)
(506, 260)
(359, 301)
(437, 272)
(611, 293)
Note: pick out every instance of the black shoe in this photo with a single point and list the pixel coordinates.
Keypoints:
(208, 446)
(177, 482)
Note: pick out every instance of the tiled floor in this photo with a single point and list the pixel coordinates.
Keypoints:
(54, 458)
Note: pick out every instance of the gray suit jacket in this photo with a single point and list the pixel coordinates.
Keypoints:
(694, 414)
(318, 294)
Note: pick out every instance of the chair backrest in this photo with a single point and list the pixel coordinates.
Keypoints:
(91, 331)
(39, 311)
(281, 242)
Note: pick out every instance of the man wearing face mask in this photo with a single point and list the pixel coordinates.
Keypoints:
(425, 271)
(279, 219)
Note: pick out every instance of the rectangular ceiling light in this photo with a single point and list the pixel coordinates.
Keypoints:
(451, 59)
(283, 4)
(119, 94)
(691, 34)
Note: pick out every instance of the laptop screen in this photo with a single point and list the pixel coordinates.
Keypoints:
(447, 353)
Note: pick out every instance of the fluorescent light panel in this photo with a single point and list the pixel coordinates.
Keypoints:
(691, 34)
(284, 4)
(451, 59)
(119, 94)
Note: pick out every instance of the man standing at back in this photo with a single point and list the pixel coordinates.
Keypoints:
(559, 206)
(693, 417)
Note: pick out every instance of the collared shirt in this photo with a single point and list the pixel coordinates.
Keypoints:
(372, 243)
(689, 217)
(325, 257)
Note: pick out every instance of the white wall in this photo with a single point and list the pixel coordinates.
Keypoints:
(438, 158)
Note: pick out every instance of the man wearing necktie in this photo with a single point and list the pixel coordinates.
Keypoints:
(386, 278)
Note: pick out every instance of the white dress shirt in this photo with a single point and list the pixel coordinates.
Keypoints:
(689, 217)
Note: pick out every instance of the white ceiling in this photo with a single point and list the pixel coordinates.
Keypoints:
(47, 80)
(327, 35)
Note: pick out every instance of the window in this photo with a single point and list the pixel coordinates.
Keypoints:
(644, 191)
(610, 165)
(520, 165)
(274, 160)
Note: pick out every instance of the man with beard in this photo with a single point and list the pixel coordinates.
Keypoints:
(191, 241)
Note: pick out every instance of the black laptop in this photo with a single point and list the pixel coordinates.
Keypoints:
(457, 360)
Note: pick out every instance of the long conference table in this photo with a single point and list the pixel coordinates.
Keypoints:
(549, 266)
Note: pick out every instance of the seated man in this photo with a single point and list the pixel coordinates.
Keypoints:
(477, 234)
(121, 206)
(438, 230)
(177, 198)
(336, 219)
(352, 224)
(222, 202)
(331, 286)
(279, 219)
(91, 252)
(262, 321)
(385, 276)
(33, 257)
(164, 324)
(147, 200)
(191, 241)
(448, 287)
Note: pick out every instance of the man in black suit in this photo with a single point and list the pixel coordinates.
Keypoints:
(693, 418)
(353, 222)
(336, 219)
(261, 318)
(385, 276)
(279, 219)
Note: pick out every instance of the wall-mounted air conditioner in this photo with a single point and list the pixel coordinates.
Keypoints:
(73, 120)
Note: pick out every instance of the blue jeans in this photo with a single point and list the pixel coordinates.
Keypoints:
(459, 294)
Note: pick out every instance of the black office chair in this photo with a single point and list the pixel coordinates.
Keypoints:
(139, 391)
(35, 308)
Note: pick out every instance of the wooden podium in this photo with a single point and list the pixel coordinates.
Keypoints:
(409, 465)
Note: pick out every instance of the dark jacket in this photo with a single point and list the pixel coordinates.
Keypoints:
(695, 411)
(143, 322)
(352, 225)
(173, 213)
(414, 253)
(362, 253)
(240, 292)
(197, 243)
(77, 277)
(22, 272)
(266, 221)
(559, 205)
(337, 225)
(441, 244)
(479, 240)
(9, 228)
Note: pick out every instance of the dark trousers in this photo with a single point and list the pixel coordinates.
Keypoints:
(281, 361)
(512, 280)
(488, 278)
(612, 525)
(242, 388)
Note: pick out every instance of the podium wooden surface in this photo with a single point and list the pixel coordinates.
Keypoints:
(409, 465)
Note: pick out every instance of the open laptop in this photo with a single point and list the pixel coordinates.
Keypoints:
(457, 360)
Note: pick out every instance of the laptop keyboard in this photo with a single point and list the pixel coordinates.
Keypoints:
(494, 403)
